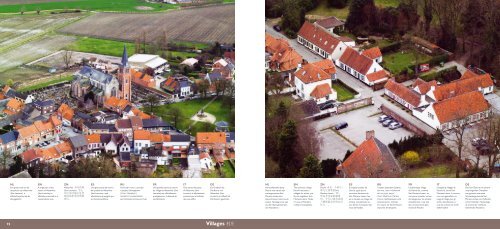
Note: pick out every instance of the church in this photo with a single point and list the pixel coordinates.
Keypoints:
(90, 84)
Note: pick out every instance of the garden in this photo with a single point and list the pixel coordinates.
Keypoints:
(344, 92)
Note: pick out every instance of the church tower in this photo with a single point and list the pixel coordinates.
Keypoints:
(125, 77)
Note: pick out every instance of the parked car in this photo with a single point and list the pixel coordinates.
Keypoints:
(341, 125)
(387, 122)
(383, 118)
(277, 28)
(395, 125)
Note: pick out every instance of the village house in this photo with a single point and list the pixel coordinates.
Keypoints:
(280, 56)
(89, 127)
(65, 114)
(372, 159)
(321, 42)
(39, 131)
(8, 92)
(8, 141)
(13, 107)
(45, 107)
(214, 143)
(156, 152)
(362, 67)
(224, 65)
(331, 24)
(179, 86)
(79, 146)
(312, 82)
(35, 156)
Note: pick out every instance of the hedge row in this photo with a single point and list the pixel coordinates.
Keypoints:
(392, 47)
(439, 74)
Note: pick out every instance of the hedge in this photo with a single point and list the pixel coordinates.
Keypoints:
(438, 75)
(391, 47)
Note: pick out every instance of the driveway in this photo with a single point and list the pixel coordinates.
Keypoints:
(333, 146)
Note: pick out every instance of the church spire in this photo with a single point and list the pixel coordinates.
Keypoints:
(125, 57)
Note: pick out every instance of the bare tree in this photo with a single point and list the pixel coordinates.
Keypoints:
(67, 58)
(457, 136)
(5, 156)
(275, 83)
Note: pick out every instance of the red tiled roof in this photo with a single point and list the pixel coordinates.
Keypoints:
(327, 66)
(286, 60)
(356, 61)
(321, 91)
(372, 53)
(309, 73)
(460, 106)
(319, 37)
(371, 159)
(403, 92)
(378, 75)
(142, 135)
(462, 86)
(330, 22)
(423, 86)
(210, 137)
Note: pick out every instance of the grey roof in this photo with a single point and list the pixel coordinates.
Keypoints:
(83, 115)
(154, 122)
(45, 103)
(230, 136)
(11, 93)
(78, 141)
(9, 137)
(124, 124)
(119, 139)
(180, 138)
(125, 56)
(221, 124)
(95, 74)
(100, 126)
(22, 174)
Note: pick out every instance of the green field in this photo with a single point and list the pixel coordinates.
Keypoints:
(437, 171)
(343, 93)
(47, 83)
(94, 5)
(324, 9)
(190, 108)
(101, 46)
(398, 61)
(115, 48)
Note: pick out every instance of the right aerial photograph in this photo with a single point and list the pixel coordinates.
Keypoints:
(382, 88)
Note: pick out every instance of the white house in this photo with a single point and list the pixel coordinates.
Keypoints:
(206, 161)
(312, 82)
(330, 24)
(320, 41)
(142, 139)
(448, 113)
(142, 61)
(362, 67)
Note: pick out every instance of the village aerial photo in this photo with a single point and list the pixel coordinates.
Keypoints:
(117, 89)
(382, 88)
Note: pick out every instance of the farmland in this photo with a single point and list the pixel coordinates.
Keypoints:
(206, 25)
(13, 6)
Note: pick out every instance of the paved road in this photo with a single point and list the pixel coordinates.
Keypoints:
(306, 54)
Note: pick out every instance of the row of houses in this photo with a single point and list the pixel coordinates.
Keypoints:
(25, 136)
(445, 106)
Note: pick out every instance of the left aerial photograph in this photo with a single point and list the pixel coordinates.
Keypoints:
(117, 89)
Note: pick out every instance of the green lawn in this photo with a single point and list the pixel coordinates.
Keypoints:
(101, 46)
(183, 55)
(437, 171)
(398, 61)
(47, 83)
(189, 108)
(95, 5)
(227, 170)
(188, 44)
(324, 9)
(343, 93)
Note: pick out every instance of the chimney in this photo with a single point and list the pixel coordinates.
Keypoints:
(370, 134)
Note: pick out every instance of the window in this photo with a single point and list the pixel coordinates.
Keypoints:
(430, 115)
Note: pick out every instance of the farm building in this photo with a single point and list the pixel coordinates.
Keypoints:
(142, 61)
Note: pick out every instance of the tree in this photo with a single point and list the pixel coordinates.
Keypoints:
(293, 17)
(275, 83)
(17, 167)
(67, 58)
(311, 168)
(329, 167)
(203, 87)
(152, 100)
(427, 8)
(457, 136)
(362, 13)
(175, 115)
(5, 156)
(287, 149)
(337, 3)
(92, 168)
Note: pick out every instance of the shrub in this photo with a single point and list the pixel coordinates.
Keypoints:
(410, 158)
(438, 59)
